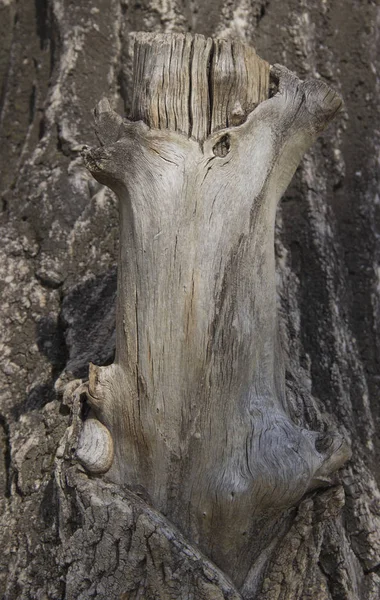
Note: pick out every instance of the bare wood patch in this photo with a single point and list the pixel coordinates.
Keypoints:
(195, 401)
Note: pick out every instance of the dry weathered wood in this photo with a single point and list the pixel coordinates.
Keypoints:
(195, 85)
(195, 400)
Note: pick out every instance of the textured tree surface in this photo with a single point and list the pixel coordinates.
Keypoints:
(64, 534)
(193, 409)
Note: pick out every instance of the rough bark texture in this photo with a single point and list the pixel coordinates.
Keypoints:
(58, 253)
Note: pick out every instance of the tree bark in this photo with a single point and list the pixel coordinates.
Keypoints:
(67, 534)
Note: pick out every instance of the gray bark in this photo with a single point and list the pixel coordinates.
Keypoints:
(67, 535)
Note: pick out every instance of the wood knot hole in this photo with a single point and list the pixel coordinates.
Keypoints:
(222, 146)
(274, 83)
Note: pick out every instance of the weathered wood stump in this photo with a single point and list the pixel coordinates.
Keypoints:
(193, 410)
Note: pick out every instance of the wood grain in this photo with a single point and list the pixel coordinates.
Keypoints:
(195, 401)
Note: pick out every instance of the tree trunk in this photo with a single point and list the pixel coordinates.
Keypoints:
(208, 438)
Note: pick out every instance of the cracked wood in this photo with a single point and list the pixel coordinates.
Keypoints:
(195, 400)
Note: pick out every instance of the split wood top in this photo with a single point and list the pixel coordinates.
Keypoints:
(195, 85)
